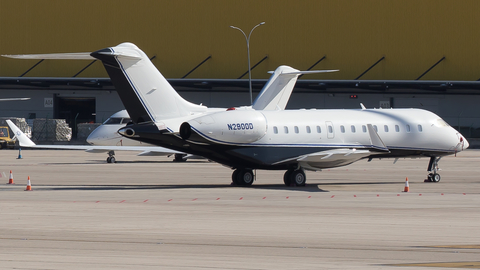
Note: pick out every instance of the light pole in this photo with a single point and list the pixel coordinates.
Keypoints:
(248, 54)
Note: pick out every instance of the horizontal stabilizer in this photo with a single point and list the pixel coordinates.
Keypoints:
(66, 56)
(306, 72)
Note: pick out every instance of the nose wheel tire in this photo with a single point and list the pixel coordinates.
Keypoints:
(243, 177)
(434, 177)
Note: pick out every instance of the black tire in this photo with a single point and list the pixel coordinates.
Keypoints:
(298, 178)
(245, 177)
(286, 178)
(234, 177)
(179, 158)
(112, 160)
(436, 177)
(109, 159)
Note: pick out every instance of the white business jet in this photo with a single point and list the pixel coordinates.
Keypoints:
(290, 140)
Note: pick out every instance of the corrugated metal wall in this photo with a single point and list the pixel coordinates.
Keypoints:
(411, 34)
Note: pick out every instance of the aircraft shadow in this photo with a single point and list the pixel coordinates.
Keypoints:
(307, 188)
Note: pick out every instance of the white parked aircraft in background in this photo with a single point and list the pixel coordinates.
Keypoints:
(291, 140)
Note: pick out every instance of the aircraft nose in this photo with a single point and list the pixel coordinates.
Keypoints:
(462, 143)
(465, 143)
(93, 137)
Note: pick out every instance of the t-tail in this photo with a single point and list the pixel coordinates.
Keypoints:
(145, 93)
(276, 92)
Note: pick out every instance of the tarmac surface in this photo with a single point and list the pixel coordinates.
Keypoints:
(152, 213)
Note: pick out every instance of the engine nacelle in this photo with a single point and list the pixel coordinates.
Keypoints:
(226, 127)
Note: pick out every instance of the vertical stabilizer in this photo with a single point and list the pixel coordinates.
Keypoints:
(277, 91)
(145, 93)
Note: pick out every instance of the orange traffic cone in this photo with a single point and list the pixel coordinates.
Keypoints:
(10, 179)
(407, 187)
(29, 185)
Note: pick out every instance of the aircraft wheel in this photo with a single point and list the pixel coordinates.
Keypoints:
(234, 177)
(109, 159)
(287, 178)
(435, 177)
(244, 177)
(112, 160)
(179, 158)
(298, 178)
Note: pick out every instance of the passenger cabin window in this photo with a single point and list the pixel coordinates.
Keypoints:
(397, 128)
(385, 127)
(342, 129)
(275, 130)
(330, 129)
(420, 129)
(364, 129)
(353, 129)
(375, 127)
(319, 130)
(285, 128)
(309, 130)
(407, 127)
(296, 129)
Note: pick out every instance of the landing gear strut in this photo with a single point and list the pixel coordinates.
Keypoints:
(180, 158)
(432, 169)
(111, 157)
(294, 177)
(243, 177)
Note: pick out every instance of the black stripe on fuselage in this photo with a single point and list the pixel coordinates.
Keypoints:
(256, 157)
(123, 85)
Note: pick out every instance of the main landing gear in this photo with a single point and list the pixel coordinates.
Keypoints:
(432, 169)
(111, 157)
(180, 158)
(243, 177)
(294, 177)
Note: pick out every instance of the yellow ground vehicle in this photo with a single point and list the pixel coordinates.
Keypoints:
(5, 140)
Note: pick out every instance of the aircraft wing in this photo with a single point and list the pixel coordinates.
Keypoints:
(24, 141)
(332, 158)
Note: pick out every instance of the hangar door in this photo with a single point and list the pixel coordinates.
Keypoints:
(74, 111)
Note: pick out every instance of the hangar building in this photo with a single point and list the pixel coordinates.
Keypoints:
(398, 54)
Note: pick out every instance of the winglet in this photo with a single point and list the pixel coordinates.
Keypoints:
(21, 137)
(376, 141)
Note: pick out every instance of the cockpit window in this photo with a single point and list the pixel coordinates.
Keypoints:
(441, 123)
(113, 121)
(125, 120)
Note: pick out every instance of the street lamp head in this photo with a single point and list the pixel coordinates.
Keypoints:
(262, 23)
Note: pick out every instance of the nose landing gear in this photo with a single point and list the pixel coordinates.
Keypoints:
(432, 169)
